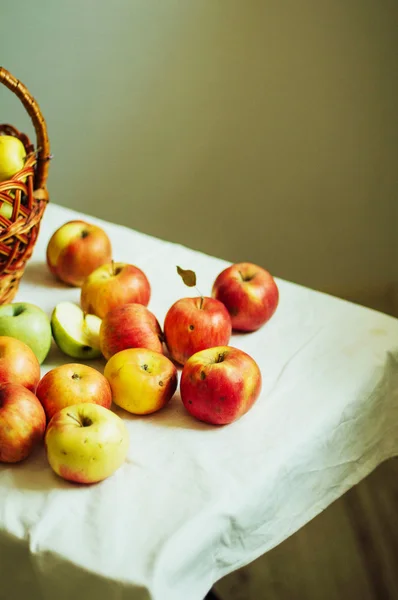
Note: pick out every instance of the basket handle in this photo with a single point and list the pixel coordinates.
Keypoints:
(33, 110)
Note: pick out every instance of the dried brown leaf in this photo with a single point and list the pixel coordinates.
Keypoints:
(188, 276)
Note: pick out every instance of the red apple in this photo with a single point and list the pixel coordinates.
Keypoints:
(18, 363)
(76, 249)
(112, 285)
(72, 384)
(193, 324)
(250, 294)
(22, 422)
(219, 385)
(129, 326)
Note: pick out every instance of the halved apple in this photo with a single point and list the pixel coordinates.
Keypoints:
(75, 333)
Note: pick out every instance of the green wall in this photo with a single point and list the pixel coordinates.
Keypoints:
(259, 130)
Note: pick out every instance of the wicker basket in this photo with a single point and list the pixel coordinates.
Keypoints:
(25, 192)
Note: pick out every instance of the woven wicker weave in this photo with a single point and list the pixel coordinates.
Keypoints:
(26, 192)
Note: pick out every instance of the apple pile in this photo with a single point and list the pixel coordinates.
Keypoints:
(70, 408)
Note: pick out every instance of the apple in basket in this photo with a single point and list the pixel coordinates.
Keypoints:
(142, 381)
(130, 326)
(219, 385)
(72, 384)
(22, 422)
(86, 443)
(18, 363)
(249, 293)
(6, 210)
(12, 156)
(114, 284)
(76, 249)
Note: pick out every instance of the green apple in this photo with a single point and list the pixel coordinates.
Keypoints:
(29, 324)
(12, 156)
(6, 210)
(74, 332)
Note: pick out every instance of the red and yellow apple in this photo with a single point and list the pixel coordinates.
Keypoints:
(249, 293)
(71, 384)
(86, 443)
(219, 385)
(18, 363)
(76, 249)
(142, 381)
(193, 324)
(22, 422)
(129, 326)
(114, 284)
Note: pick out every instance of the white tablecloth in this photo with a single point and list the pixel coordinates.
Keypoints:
(193, 502)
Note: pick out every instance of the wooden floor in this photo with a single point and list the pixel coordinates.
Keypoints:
(349, 552)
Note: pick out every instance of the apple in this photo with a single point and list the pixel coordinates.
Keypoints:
(75, 250)
(249, 293)
(6, 210)
(12, 156)
(219, 385)
(70, 384)
(142, 381)
(74, 332)
(18, 363)
(22, 422)
(130, 326)
(112, 285)
(29, 324)
(86, 443)
(193, 324)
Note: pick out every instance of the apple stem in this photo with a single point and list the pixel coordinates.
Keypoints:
(201, 297)
(246, 277)
(113, 267)
(74, 418)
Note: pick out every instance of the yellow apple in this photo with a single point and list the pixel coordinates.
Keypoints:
(142, 381)
(86, 443)
(12, 156)
(76, 249)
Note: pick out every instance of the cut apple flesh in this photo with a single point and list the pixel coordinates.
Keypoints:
(91, 329)
(75, 333)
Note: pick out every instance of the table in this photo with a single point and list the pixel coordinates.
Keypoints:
(193, 502)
